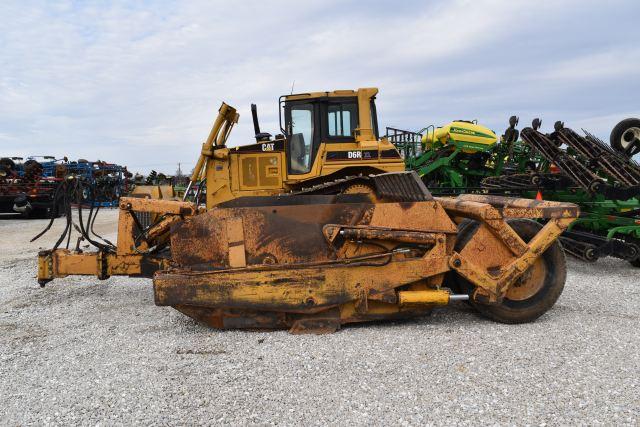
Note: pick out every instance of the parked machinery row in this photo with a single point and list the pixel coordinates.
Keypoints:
(31, 187)
(562, 165)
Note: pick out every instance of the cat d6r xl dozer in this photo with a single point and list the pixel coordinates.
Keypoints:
(332, 144)
(309, 259)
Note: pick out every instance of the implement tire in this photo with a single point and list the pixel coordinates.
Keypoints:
(634, 262)
(534, 293)
(626, 133)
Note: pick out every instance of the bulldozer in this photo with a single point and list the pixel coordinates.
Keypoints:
(320, 227)
(332, 143)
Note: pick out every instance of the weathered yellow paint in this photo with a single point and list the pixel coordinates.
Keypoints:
(294, 289)
(63, 262)
(231, 173)
(348, 261)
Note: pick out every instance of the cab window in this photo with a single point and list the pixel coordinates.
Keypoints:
(301, 138)
(341, 119)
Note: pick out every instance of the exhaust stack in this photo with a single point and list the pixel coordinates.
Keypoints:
(260, 136)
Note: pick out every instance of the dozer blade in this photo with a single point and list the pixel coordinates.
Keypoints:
(313, 263)
(298, 265)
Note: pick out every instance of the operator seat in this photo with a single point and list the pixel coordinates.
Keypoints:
(297, 152)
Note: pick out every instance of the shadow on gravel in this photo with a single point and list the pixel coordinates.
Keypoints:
(459, 314)
(11, 216)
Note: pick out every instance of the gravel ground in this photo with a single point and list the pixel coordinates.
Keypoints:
(85, 351)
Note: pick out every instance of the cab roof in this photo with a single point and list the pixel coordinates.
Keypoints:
(332, 94)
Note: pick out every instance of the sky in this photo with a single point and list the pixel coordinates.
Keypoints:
(139, 83)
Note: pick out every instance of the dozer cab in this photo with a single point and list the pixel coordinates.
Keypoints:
(331, 141)
(287, 241)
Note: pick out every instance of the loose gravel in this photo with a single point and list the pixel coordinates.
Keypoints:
(85, 351)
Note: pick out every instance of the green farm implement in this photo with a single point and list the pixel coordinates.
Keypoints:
(561, 166)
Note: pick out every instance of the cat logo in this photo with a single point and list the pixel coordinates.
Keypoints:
(354, 155)
(268, 146)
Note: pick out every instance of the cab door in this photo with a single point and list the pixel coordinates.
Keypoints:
(303, 137)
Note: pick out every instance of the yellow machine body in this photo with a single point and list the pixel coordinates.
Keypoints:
(165, 192)
(311, 263)
(314, 260)
(470, 136)
(329, 135)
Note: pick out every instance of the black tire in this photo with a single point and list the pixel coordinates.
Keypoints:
(32, 168)
(7, 165)
(633, 240)
(5, 161)
(525, 310)
(620, 138)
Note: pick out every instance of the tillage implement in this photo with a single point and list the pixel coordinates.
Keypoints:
(563, 166)
(601, 179)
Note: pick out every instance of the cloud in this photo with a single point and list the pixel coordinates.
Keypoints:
(140, 83)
